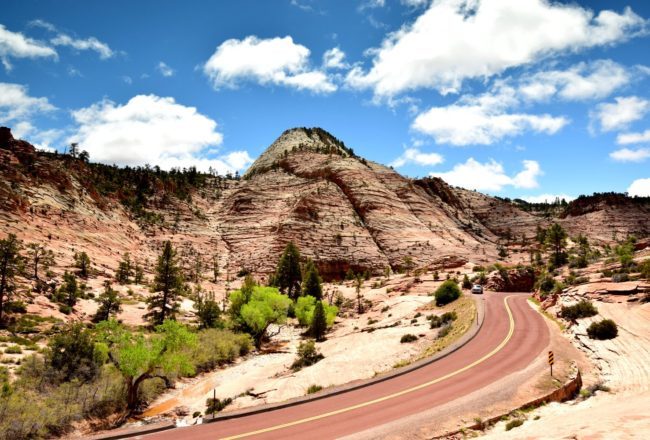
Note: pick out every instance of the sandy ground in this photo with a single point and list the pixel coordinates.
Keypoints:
(624, 365)
(350, 353)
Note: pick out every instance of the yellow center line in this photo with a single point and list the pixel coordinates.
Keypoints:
(394, 395)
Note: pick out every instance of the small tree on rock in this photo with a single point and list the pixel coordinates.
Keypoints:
(265, 306)
(124, 269)
(318, 325)
(109, 303)
(287, 276)
(167, 286)
(9, 265)
(556, 238)
(207, 309)
(311, 281)
(82, 262)
(39, 256)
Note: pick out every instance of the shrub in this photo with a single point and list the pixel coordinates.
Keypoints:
(605, 329)
(582, 309)
(217, 347)
(216, 405)
(444, 331)
(307, 355)
(314, 389)
(466, 283)
(478, 269)
(13, 349)
(445, 318)
(513, 424)
(620, 277)
(447, 292)
(408, 338)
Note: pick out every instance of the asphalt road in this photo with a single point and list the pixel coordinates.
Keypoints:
(512, 336)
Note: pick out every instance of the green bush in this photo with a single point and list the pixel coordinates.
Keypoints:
(307, 355)
(447, 292)
(408, 338)
(13, 349)
(605, 329)
(513, 424)
(582, 309)
(445, 318)
(216, 405)
(314, 389)
(444, 331)
(217, 347)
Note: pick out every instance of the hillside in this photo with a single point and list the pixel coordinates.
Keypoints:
(341, 210)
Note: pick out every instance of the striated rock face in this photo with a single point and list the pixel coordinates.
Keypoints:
(307, 187)
(513, 280)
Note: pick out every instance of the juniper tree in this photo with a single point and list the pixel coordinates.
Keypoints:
(9, 265)
(109, 303)
(39, 255)
(311, 281)
(287, 276)
(167, 286)
(318, 324)
(124, 269)
(82, 262)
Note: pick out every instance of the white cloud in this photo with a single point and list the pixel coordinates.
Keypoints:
(594, 80)
(16, 45)
(127, 79)
(414, 155)
(415, 3)
(483, 119)
(91, 43)
(277, 61)
(640, 187)
(633, 138)
(334, 59)
(490, 176)
(17, 106)
(547, 198)
(153, 130)
(165, 70)
(628, 155)
(454, 40)
(618, 115)
(372, 4)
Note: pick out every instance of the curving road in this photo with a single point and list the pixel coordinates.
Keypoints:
(511, 337)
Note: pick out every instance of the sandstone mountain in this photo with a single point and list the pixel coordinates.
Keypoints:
(308, 187)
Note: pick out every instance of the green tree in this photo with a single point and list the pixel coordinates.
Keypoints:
(305, 307)
(215, 268)
(207, 309)
(287, 275)
(311, 281)
(39, 256)
(9, 265)
(109, 303)
(447, 292)
(138, 273)
(265, 306)
(408, 264)
(124, 269)
(502, 252)
(625, 252)
(582, 255)
(69, 291)
(139, 358)
(357, 286)
(167, 286)
(82, 262)
(318, 325)
(556, 238)
(72, 354)
(466, 283)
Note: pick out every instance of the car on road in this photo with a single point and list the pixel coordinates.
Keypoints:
(477, 288)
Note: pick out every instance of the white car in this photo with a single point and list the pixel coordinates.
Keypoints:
(477, 288)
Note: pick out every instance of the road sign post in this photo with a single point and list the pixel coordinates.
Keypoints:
(551, 360)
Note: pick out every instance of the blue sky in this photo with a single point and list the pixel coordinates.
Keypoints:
(518, 98)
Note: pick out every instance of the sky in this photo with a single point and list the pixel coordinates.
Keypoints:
(527, 99)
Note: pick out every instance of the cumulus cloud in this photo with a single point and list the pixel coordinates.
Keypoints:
(454, 40)
(490, 176)
(633, 138)
(16, 45)
(415, 156)
(618, 115)
(594, 80)
(629, 155)
(334, 59)
(277, 61)
(153, 130)
(483, 119)
(16, 105)
(165, 70)
(640, 187)
(547, 198)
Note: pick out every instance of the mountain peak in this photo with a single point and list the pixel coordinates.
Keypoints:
(313, 139)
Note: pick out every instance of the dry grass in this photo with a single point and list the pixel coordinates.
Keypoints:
(465, 309)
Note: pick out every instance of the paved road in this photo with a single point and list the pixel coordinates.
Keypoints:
(512, 336)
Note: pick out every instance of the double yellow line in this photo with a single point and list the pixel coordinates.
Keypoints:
(391, 396)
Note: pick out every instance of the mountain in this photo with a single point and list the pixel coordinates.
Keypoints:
(342, 210)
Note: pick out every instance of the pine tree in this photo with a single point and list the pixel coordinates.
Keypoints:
(556, 238)
(287, 276)
(109, 303)
(138, 277)
(82, 262)
(358, 285)
(311, 281)
(124, 270)
(318, 323)
(207, 309)
(40, 256)
(9, 262)
(167, 286)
